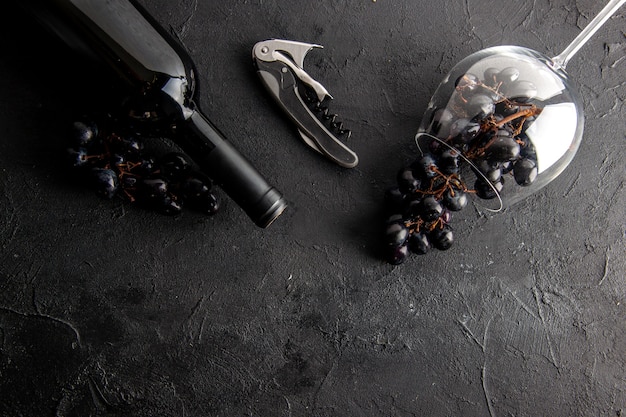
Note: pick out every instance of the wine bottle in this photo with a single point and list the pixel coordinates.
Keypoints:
(161, 81)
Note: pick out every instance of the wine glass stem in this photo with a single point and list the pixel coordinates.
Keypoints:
(563, 58)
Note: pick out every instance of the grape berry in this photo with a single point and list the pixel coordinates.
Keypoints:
(485, 123)
(118, 165)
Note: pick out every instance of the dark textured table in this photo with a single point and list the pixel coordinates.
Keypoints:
(109, 309)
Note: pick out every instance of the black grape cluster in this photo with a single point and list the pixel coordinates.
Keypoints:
(419, 208)
(487, 123)
(484, 126)
(115, 164)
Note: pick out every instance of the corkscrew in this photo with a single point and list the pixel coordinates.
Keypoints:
(280, 65)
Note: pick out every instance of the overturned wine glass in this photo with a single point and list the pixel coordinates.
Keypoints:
(511, 115)
(502, 124)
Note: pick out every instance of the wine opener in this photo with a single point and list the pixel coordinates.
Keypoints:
(280, 64)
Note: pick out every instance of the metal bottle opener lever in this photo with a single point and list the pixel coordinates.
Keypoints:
(280, 67)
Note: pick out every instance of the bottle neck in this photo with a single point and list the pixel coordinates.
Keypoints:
(230, 170)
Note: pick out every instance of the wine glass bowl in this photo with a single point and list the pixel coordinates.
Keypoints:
(512, 116)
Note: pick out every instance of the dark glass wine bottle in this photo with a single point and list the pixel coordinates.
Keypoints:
(161, 81)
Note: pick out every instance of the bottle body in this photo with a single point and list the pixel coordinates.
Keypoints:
(161, 80)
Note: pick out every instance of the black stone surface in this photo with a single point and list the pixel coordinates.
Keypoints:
(108, 309)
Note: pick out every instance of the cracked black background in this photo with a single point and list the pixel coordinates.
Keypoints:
(107, 309)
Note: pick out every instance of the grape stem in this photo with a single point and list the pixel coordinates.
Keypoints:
(525, 114)
(491, 124)
(415, 226)
(450, 182)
